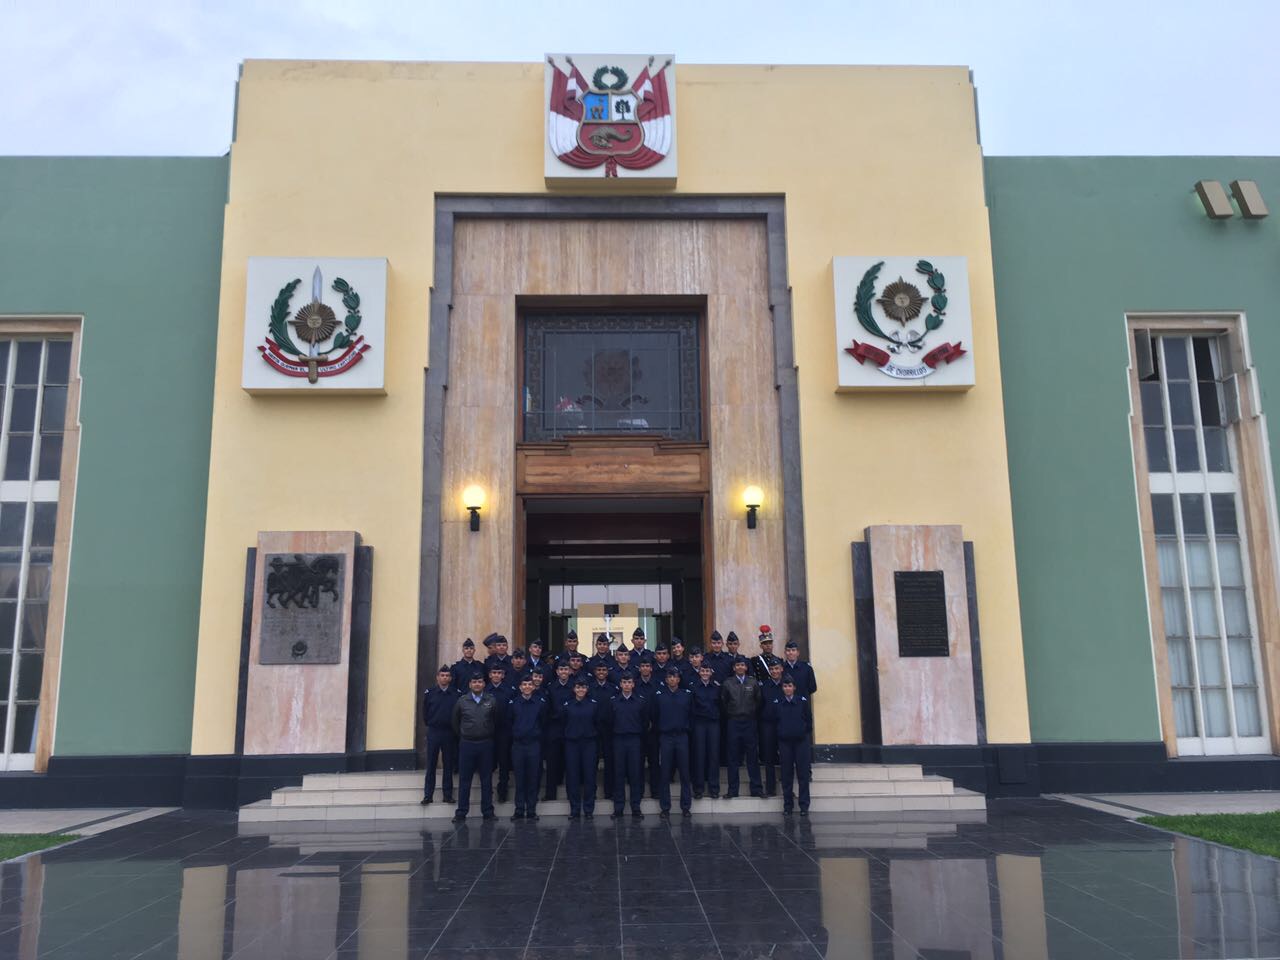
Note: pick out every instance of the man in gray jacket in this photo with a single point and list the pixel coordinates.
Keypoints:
(740, 699)
(475, 720)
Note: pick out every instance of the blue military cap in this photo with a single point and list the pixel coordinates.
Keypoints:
(518, 652)
(673, 671)
(626, 675)
(731, 638)
(445, 668)
(792, 645)
(493, 638)
(788, 678)
(715, 635)
(695, 651)
(468, 642)
(535, 642)
(581, 682)
(663, 646)
(571, 635)
(739, 659)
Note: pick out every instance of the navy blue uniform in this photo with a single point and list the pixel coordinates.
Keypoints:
(606, 659)
(649, 747)
(628, 717)
(502, 737)
(802, 673)
(437, 714)
(493, 660)
(602, 693)
(557, 694)
(544, 666)
(463, 671)
(793, 721)
(769, 691)
(721, 664)
(706, 738)
(524, 721)
(673, 716)
(581, 719)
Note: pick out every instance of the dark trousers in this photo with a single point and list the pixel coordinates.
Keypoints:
(769, 756)
(555, 764)
(742, 744)
(580, 775)
(706, 757)
(526, 763)
(604, 751)
(475, 756)
(442, 747)
(674, 751)
(626, 771)
(650, 758)
(502, 761)
(797, 763)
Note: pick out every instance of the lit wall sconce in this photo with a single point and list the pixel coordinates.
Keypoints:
(1214, 199)
(753, 497)
(473, 500)
(1249, 197)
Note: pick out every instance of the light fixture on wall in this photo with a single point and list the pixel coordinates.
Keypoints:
(753, 498)
(1249, 198)
(473, 500)
(1214, 200)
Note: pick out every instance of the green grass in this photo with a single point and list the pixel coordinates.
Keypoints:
(16, 844)
(1259, 832)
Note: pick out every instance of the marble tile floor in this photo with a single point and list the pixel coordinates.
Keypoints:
(1039, 878)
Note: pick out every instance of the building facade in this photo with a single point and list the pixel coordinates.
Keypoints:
(761, 382)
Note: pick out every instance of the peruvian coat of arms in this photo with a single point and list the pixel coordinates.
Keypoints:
(329, 346)
(908, 349)
(612, 121)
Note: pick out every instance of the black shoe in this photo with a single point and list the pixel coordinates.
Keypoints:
(490, 816)
(686, 812)
(731, 795)
(770, 794)
(616, 815)
(664, 815)
(804, 812)
(697, 794)
(575, 816)
(518, 815)
(448, 799)
(786, 811)
(714, 796)
(459, 818)
(588, 816)
(424, 801)
(758, 794)
(532, 816)
(637, 815)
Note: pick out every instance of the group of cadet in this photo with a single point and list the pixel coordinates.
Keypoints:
(662, 712)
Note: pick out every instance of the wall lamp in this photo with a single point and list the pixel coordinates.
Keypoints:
(473, 500)
(752, 497)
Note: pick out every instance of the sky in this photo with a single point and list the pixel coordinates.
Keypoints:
(157, 77)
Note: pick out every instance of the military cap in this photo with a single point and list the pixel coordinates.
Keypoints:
(575, 655)
(788, 678)
(527, 675)
(766, 638)
(705, 666)
(621, 650)
(601, 666)
(675, 640)
(695, 651)
(581, 682)
(493, 638)
(518, 652)
(638, 632)
(731, 638)
(626, 675)
(715, 635)
(644, 662)
(766, 630)
(535, 642)
(468, 642)
(571, 635)
(445, 668)
(739, 659)
(792, 645)
(673, 671)
(562, 665)
(771, 660)
(497, 667)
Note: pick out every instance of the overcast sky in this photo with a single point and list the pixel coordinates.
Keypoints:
(1053, 76)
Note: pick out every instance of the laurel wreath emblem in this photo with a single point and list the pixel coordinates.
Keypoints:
(938, 301)
(280, 316)
(619, 81)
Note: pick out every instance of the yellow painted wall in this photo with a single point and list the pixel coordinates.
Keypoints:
(344, 159)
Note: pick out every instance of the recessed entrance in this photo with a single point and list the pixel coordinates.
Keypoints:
(610, 564)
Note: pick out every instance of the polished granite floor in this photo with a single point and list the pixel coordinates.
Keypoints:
(1038, 879)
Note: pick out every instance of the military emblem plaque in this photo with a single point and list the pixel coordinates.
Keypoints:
(302, 608)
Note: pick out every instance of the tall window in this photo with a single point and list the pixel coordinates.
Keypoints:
(33, 410)
(615, 373)
(1202, 553)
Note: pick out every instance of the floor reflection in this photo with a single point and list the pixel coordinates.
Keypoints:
(1038, 879)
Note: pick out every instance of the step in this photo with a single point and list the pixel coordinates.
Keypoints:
(265, 811)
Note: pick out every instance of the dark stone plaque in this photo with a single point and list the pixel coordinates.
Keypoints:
(922, 613)
(302, 608)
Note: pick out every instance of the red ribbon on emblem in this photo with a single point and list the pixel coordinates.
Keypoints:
(298, 367)
(862, 352)
(943, 354)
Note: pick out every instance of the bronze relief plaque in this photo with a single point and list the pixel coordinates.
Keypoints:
(302, 608)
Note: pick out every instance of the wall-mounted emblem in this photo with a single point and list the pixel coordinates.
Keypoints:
(302, 608)
(315, 324)
(610, 116)
(903, 322)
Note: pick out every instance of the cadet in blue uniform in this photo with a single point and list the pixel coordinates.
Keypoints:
(706, 734)
(602, 691)
(689, 676)
(502, 692)
(661, 660)
(475, 720)
(621, 664)
(602, 655)
(770, 690)
(792, 715)
(721, 663)
(525, 716)
(581, 718)
(539, 663)
(646, 686)
(673, 716)
(437, 714)
(519, 666)
(677, 659)
(740, 699)
(800, 671)
(628, 717)
(496, 644)
(570, 647)
(467, 667)
(558, 692)
(578, 668)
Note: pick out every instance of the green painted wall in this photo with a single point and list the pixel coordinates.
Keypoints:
(1078, 242)
(133, 244)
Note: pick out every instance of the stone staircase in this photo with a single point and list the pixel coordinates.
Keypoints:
(858, 788)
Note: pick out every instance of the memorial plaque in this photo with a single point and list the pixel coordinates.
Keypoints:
(922, 613)
(302, 608)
